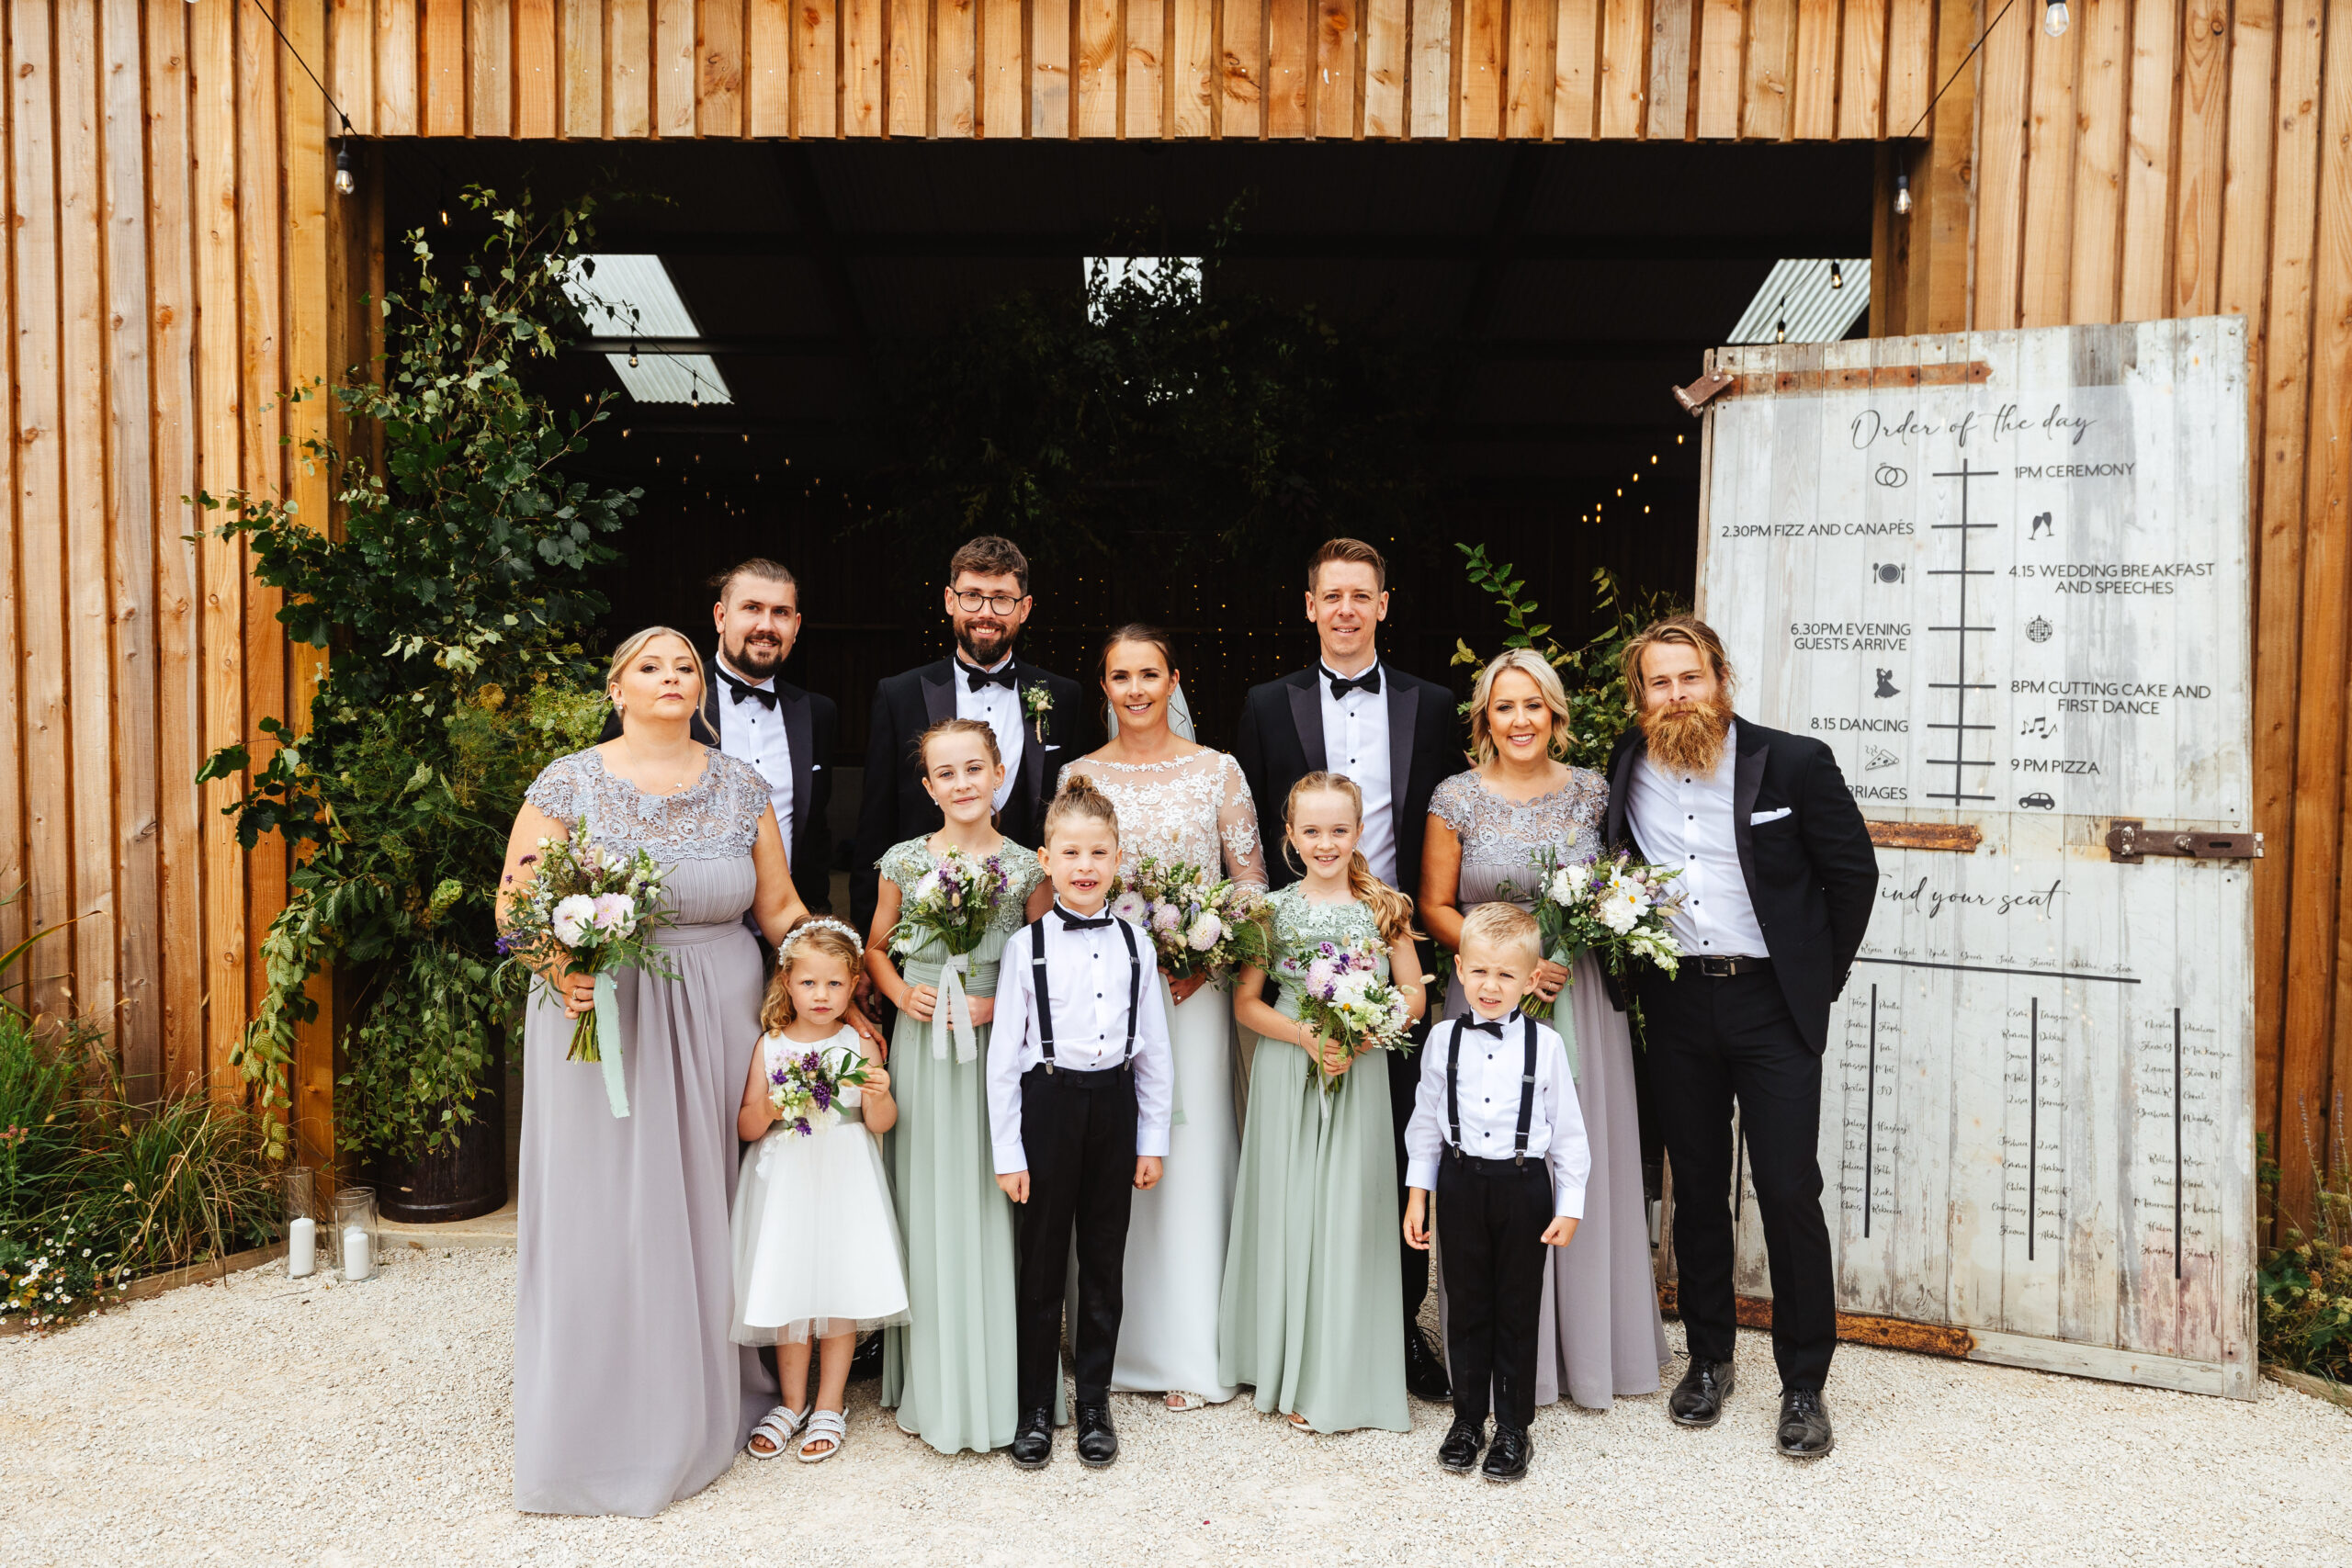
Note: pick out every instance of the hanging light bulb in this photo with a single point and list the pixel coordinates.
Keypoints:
(1678, 440)
(632, 356)
(445, 218)
(1780, 330)
(1902, 195)
(2054, 18)
(343, 182)
(1836, 276)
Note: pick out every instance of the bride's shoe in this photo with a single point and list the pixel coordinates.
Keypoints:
(1178, 1400)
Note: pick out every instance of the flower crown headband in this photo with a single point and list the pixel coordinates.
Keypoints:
(815, 923)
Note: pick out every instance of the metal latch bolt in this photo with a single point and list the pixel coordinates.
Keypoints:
(2130, 841)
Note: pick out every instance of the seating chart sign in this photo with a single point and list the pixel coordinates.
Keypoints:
(2004, 577)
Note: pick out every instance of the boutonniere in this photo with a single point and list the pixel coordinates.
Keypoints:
(1036, 702)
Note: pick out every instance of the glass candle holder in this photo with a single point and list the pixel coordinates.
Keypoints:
(302, 1226)
(354, 1233)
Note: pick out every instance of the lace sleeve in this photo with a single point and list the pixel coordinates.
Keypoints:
(557, 790)
(905, 863)
(1236, 827)
(1454, 802)
(1588, 800)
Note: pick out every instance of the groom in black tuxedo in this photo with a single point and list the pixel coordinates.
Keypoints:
(1034, 713)
(750, 712)
(1396, 736)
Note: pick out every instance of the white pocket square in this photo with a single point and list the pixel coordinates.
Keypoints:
(1757, 819)
(816, 767)
(1052, 747)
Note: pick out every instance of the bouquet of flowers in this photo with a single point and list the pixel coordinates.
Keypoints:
(954, 901)
(1200, 924)
(805, 1089)
(592, 911)
(1614, 908)
(1342, 997)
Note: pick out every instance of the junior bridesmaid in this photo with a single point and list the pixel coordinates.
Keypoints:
(1308, 1313)
(950, 1371)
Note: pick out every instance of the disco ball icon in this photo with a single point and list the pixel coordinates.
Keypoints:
(2037, 630)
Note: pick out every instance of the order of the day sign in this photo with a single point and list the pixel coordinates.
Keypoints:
(2004, 577)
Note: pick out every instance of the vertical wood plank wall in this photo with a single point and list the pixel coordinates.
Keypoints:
(174, 258)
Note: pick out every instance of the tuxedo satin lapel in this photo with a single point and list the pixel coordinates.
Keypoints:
(1033, 750)
(1746, 779)
(710, 707)
(938, 693)
(1306, 713)
(1403, 707)
(1621, 788)
(799, 738)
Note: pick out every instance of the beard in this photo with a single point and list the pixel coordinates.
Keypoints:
(984, 644)
(756, 659)
(1689, 738)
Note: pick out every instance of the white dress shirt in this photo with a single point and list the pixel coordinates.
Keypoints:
(1090, 973)
(999, 707)
(1486, 1094)
(753, 732)
(1684, 821)
(1355, 742)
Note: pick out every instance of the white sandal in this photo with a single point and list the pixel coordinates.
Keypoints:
(824, 1426)
(1178, 1400)
(778, 1426)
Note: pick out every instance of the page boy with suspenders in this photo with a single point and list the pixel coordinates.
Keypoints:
(1497, 1136)
(1079, 1090)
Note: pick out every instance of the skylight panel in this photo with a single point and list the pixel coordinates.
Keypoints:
(634, 296)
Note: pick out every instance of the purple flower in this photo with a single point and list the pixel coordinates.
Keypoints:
(800, 1125)
(822, 1093)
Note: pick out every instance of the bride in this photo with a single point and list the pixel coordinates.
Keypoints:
(1177, 801)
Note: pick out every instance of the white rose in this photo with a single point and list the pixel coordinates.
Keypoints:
(571, 917)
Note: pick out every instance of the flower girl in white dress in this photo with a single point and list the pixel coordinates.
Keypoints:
(817, 1250)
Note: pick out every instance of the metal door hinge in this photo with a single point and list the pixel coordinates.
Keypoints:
(2130, 841)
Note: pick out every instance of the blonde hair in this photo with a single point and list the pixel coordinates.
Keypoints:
(947, 727)
(1392, 911)
(1354, 551)
(1078, 797)
(1504, 926)
(829, 937)
(627, 653)
(1686, 631)
(1532, 664)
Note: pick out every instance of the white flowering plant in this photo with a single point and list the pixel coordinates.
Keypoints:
(1199, 924)
(1615, 908)
(806, 1090)
(52, 1269)
(593, 909)
(1342, 998)
(954, 901)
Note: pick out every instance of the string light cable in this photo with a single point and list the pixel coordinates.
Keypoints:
(345, 183)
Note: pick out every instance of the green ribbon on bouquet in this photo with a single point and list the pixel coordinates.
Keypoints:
(1563, 1020)
(608, 1043)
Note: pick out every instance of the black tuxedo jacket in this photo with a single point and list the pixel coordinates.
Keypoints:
(810, 725)
(896, 807)
(1812, 875)
(1281, 741)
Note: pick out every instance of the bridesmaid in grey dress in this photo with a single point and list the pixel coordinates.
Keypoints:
(1601, 1338)
(628, 1395)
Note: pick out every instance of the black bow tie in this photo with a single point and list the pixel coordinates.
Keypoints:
(740, 690)
(1367, 682)
(983, 678)
(1493, 1026)
(1079, 922)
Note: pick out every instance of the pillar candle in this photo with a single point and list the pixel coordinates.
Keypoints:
(359, 1256)
(302, 1248)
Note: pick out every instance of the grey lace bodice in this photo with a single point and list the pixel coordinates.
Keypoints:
(717, 817)
(1299, 926)
(1499, 838)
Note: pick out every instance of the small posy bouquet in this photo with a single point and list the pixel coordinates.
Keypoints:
(591, 910)
(954, 901)
(1200, 924)
(1342, 997)
(1614, 908)
(804, 1091)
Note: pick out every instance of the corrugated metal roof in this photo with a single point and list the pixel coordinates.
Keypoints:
(1801, 294)
(624, 295)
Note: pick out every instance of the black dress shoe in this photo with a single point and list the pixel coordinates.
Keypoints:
(1698, 1399)
(1460, 1449)
(1804, 1425)
(1098, 1445)
(1033, 1441)
(1424, 1373)
(867, 1362)
(1507, 1459)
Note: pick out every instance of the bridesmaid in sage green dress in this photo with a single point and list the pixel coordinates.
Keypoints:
(949, 1371)
(1309, 1313)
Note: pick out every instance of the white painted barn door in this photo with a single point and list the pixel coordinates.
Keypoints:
(2004, 576)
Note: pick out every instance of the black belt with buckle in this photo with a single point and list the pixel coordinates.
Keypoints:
(1724, 969)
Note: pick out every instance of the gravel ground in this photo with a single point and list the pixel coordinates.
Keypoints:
(263, 1419)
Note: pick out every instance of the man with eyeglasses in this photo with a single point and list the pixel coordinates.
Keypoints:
(1031, 711)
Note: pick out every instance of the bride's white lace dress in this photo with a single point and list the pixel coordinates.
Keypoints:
(1195, 809)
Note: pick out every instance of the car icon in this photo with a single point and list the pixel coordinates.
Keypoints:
(2037, 801)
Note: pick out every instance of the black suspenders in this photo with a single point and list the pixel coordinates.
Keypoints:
(1526, 1090)
(1046, 1001)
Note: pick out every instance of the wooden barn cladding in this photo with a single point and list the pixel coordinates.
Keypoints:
(175, 258)
(1771, 70)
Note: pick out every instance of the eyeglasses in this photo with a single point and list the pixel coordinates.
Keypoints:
(1002, 603)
